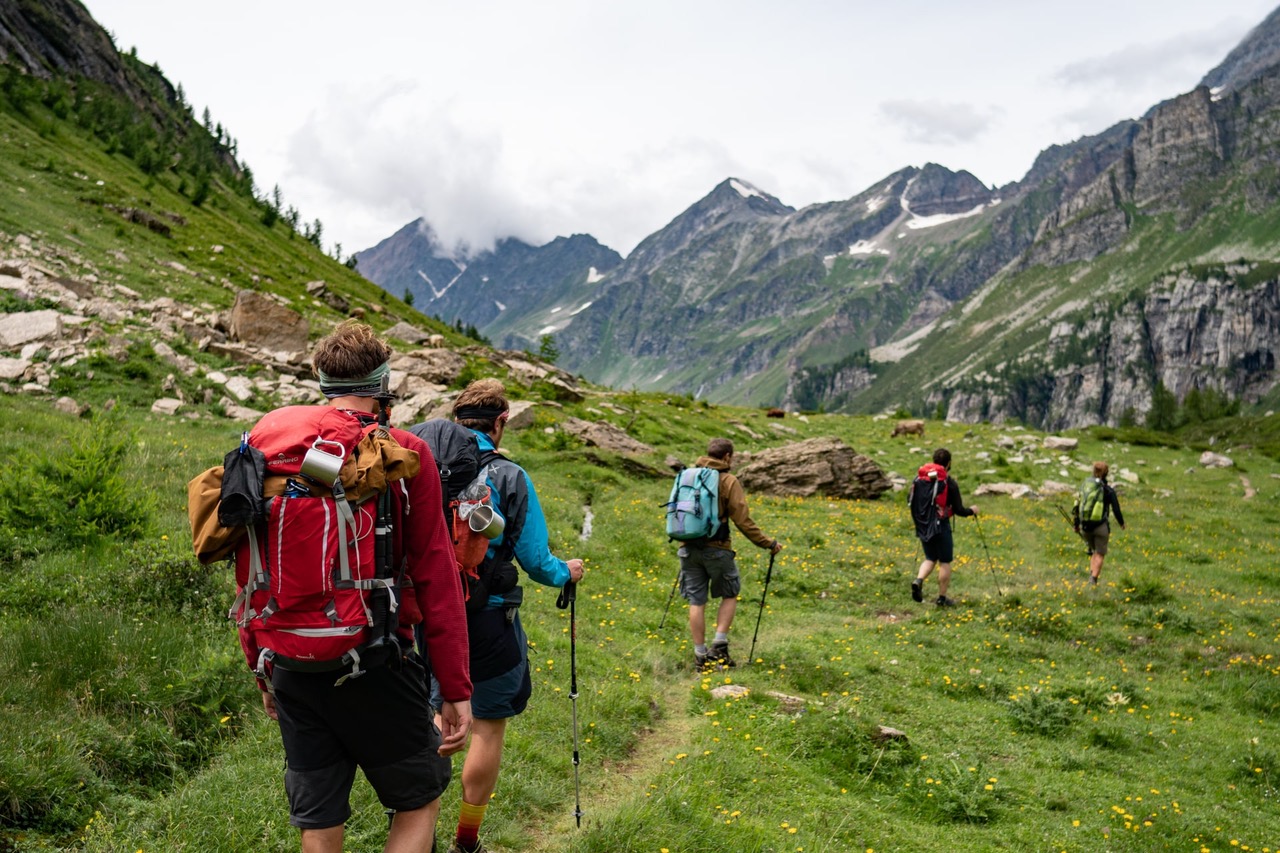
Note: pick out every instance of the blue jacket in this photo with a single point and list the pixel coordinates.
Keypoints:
(525, 533)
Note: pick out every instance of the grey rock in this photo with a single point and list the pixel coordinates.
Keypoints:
(1013, 490)
(12, 369)
(817, 466)
(26, 326)
(406, 332)
(605, 436)
(1209, 459)
(521, 414)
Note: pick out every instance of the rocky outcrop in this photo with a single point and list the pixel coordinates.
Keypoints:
(261, 321)
(1187, 332)
(604, 435)
(818, 466)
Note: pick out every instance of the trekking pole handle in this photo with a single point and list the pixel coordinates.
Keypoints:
(568, 594)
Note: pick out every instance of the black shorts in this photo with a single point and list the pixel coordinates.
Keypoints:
(940, 548)
(380, 722)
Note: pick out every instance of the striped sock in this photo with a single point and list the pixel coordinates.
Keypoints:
(469, 819)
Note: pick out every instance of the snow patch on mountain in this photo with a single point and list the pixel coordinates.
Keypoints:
(594, 275)
(918, 222)
(867, 247)
(744, 189)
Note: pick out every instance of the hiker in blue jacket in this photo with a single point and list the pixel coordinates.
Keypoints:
(499, 650)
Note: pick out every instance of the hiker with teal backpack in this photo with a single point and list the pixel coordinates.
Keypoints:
(704, 499)
(933, 498)
(1094, 505)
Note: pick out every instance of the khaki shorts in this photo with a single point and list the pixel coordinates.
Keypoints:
(1097, 538)
(706, 570)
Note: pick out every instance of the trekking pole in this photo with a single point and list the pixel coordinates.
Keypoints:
(1066, 516)
(568, 598)
(767, 576)
(381, 609)
(670, 598)
(990, 565)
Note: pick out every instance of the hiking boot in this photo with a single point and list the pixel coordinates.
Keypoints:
(917, 590)
(720, 654)
(943, 601)
(701, 661)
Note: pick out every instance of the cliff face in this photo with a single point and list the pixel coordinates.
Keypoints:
(1219, 333)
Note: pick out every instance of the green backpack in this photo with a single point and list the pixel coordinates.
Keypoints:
(1092, 505)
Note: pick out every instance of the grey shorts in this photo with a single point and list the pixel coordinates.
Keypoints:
(706, 569)
(1098, 537)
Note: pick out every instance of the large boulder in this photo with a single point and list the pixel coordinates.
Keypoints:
(604, 435)
(438, 365)
(816, 466)
(1057, 442)
(24, 327)
(1209, 459)
(1013, 490)
(261, 322)
(406, 332)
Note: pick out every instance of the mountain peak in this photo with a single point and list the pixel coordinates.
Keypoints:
(736, 191)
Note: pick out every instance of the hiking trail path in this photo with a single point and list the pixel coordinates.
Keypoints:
(608, 787)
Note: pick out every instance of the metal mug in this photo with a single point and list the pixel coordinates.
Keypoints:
(486, 521)
(321, 465)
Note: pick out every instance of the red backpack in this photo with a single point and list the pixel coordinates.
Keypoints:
(928, 500)
(313, 595)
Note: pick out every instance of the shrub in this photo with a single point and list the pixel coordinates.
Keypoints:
(950, 793)
(1039, 713)
(76, 494)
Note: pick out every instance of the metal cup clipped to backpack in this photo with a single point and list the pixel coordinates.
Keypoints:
(486, 521)
(322, 466)
(476, 507)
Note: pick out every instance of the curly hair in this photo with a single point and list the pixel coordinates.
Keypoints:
(350, 351)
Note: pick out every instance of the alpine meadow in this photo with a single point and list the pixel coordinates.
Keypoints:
(154, 303)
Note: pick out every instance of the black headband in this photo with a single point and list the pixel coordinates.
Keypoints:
(478, 413)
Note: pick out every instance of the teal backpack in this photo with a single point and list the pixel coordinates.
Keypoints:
(1092, 505)
(693, 512)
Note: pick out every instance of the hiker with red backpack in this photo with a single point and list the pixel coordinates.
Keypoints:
(934, 497)
(499, 648)
(339, 554)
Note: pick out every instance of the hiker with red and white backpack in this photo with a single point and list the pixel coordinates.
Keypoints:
(934, 497)
(499, 648)
(341, 550)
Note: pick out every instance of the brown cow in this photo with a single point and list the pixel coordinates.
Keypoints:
(908, 428)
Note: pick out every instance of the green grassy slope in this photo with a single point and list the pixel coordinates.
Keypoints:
(1039, 714)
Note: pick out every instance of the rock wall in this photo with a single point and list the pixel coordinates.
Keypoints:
(1221, 333)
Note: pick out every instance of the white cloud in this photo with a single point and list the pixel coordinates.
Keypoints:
(938, 122)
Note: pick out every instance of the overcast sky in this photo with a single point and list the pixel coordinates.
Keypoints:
(538, 119)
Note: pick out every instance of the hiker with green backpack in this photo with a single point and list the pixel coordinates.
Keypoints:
(704, 499)
(1094, 505)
